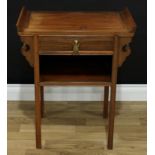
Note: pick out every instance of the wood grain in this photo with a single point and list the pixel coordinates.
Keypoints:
(76, 128)
(54, 22)
(65, 43)
(65, 21)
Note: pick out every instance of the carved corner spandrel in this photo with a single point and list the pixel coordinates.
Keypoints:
(27, 49)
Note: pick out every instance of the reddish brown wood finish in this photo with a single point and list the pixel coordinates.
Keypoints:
(106, 101)
(74, 80)
(113, 94)
(42, 101)
(37, 93)
(66, 43)
(58, 30)
(69, 23)
(72, 34)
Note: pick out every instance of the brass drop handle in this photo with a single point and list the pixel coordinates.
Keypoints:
(76, 47)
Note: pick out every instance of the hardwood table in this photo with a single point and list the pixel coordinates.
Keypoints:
(76, 48)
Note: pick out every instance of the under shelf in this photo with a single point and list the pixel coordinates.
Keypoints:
(75, 70)
(60, 79)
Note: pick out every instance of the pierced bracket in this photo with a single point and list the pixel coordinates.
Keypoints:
(126, 48)
(27, 49)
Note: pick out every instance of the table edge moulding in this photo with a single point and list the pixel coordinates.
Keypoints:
(66, 37)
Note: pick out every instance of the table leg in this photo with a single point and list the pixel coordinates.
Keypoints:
(106, 106)
(111, 117)
(38, 115)
(37, 93)
(113, 94)
(42, 101)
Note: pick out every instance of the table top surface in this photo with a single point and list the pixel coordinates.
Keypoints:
(77, 22)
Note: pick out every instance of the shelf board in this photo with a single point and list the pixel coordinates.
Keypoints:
(64, 79)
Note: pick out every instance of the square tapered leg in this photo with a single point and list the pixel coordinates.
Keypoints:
(113, 94)
(106, 102)
(111, 117)
(42, 101)
(38, 115)
(37, 93)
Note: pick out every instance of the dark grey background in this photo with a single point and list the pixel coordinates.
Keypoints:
(133, 71)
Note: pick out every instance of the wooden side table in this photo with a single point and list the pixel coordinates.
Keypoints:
(83, 48)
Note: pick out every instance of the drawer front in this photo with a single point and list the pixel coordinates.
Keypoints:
(75, 44)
